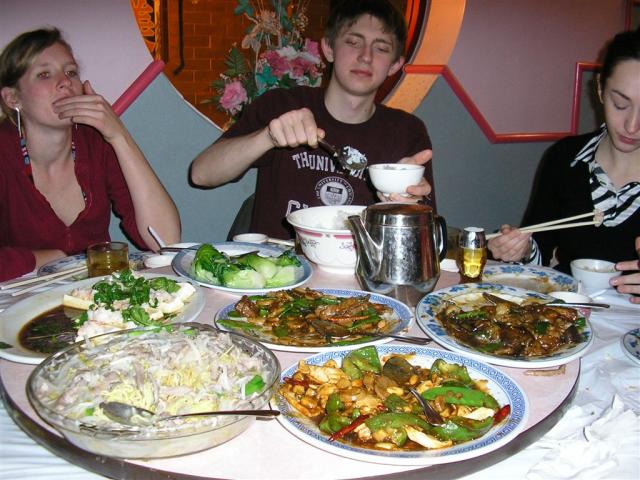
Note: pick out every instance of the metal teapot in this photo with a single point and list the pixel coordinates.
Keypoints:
(400, 246)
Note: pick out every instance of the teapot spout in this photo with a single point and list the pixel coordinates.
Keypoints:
(369, 254)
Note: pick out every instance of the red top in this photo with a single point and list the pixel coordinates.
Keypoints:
(27, 221)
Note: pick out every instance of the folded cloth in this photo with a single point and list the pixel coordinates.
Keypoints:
(606, 448)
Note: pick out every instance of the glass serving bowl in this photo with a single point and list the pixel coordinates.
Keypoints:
(51, 387)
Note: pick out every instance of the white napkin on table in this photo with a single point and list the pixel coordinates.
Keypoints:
(607, 448)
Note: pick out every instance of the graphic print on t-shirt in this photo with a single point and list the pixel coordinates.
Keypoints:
(334, 191)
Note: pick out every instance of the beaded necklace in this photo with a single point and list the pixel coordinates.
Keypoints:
(27, 161)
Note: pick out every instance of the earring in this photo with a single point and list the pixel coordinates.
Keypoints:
(17, 109)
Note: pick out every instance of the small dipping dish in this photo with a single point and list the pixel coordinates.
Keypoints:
(251, 238)
(571, 297)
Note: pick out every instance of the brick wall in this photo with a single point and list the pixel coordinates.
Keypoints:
(209, 29)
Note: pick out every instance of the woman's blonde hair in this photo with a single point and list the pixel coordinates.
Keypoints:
(20, 53)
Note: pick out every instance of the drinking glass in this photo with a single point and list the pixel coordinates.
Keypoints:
(104, 258)
(472, 254)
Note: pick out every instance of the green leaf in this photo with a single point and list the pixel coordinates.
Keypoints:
(5, 345)
(236, 64)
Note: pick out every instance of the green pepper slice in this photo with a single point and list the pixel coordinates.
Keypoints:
(364, 359)
(452, 371)
(461, 396)
(395, 420)
(460, 429)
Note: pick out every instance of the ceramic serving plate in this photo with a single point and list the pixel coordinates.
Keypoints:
(502, 387)
(537, 279)
(428, 308)
(402, 322)
(630, 343)
(182, 266)
(14, 318)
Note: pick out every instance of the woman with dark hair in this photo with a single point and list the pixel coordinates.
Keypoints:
(66, 160)
(598, 171)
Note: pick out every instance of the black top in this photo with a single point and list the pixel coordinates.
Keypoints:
(563, 191)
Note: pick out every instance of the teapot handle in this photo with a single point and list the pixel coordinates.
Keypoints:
(441, 237)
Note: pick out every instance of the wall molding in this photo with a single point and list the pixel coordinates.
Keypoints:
(138, 86)
(490, 133)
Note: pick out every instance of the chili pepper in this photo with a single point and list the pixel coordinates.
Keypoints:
(349, 428)
(490, 347)
(460, 429)
(502, 414)
(580, 322)
(396, 420)
(451, 371)
(293, 381)
(333, 423)
(461, 396)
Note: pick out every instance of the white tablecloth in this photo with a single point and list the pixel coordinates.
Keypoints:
(606, 372)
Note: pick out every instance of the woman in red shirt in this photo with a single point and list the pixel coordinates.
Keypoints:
(66, 160)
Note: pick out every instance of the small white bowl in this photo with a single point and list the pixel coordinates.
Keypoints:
(251, 238)
(593, 274)
(390, 178)
(571, 297)
(325, 237)
(157, 261)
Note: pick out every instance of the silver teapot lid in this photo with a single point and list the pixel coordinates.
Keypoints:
(399, 214)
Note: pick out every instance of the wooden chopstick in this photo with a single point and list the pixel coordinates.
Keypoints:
(41, 278)
(558, 227)
(540, 227)
(67, 273)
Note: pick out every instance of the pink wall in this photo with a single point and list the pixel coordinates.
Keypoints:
(516, 58)
(103, 33)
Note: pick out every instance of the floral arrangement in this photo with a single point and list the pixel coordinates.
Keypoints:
(280, 57)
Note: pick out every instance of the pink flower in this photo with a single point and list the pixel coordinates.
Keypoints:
(233, 97)
(279, 65)
(313, 49)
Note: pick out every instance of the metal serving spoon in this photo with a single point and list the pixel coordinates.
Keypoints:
(433, 417)
(334, 330)
(348, 157)
(131, 415)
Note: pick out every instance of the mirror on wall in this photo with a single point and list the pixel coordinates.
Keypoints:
(194, 37)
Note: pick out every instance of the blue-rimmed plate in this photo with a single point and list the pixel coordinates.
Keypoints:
(630, 343)
(14, 318)
(401, 321)
(502, 387)
(537, 279)
(72, 261)
(182, 266)
(470, 295)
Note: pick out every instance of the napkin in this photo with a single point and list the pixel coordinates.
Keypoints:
(605, 448)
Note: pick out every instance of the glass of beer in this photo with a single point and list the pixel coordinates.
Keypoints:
(104, 258)
(472, 254)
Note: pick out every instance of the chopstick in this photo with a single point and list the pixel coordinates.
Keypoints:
(55, 275)
(66, 274)
(555, 224)
(156, 237)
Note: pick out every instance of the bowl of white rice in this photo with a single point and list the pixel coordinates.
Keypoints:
(325, 237)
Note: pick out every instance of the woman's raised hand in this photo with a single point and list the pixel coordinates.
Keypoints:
(91, 109)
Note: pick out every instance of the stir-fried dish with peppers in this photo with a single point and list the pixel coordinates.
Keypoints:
(500, 327)
(306, 317)
(367, 401)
